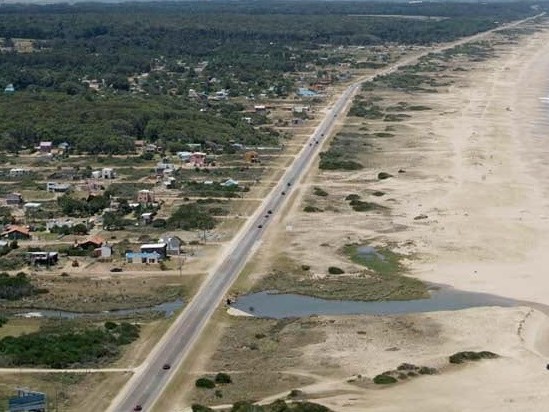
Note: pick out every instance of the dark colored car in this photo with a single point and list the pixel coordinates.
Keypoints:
(259, 226)
(289, 183)
(166, 366)
(270, 212)
(116, 270)
(138, 408)
(283, 193)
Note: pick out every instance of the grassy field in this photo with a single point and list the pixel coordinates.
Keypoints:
(382, 279)
(257, 354)
(86, 294)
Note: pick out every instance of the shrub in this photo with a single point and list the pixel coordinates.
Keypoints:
(425, 370)
(204, 383)
(223, 378)
(334, 270)
(384, 175)
(352, 197)
(3, 321)
(200, 408)
(406, 367)
(384, 379)
(305, 267)
(294, 393)
(461, 357)
(311, 209)
(317, 191)
(378, 193)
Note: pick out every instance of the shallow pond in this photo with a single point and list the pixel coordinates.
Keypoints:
(269, 304)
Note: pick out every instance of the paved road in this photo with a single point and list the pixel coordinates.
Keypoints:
(147, 384)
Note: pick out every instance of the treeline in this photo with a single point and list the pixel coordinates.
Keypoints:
(59, 348)
(111, 124)
(119, 40)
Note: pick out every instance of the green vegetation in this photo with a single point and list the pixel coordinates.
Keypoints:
(334, 270)
(223, 378)
(360, 206)
(17, 287)
(204, 383)
(384, 175)
(311, 209)
(279, 406)
(466, 356)
(384, 379)
(366, 109)
(61, 347)
(334, 159)
(317, 191)
(191, 216)
(3, 321)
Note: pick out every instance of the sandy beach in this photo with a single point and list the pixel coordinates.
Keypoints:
(477, 169)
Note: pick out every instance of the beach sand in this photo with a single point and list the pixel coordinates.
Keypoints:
(477, 167)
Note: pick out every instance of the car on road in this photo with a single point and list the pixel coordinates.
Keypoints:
(166, 366)
(259, 226)
(138, 408)
(283, 193)
(289, 183)
(266, 216)
(116, 270)
(316, 142)
(270, 212)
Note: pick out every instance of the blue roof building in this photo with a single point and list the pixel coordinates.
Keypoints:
(304, 92)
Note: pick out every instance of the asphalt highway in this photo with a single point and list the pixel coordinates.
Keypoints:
(150, 379)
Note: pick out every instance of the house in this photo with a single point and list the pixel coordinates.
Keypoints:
(108, 173)
(143, 257)
(152, 148)
(13, 199)
(32, 206)
(184, 156)
(296, 121)
(169, 182)
(64, 147)
(198, 159)
(173, 244)
(146, 218)
(139, 144)
(54, 187)
(4, 244)
(18, 172)
(160, 248)
(301, 109)
(14, 232)
(44, 147)
(43, 258)
(229, 183)
(260, 108)
(145, 197)
(251, 156)
(304, 92)
(103, 252)
(92, 242)
(164, 168)
(9, 88)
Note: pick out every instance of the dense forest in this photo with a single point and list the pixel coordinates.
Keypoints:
(146, 57)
